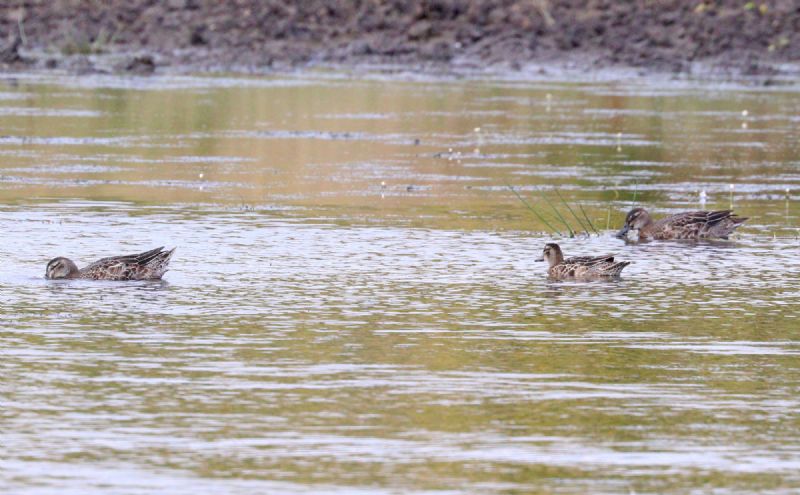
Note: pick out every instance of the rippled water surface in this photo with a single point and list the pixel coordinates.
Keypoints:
(354, 305)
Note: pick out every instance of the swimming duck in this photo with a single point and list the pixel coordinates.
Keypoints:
(150, 265)
(580, 267)
(688, 225)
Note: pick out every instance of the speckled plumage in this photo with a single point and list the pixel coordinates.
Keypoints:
(150, 265)
(580, 267)
(688, 225)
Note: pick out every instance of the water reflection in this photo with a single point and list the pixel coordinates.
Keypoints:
(324, 328)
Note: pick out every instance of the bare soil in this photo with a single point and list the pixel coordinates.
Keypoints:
(734, 36)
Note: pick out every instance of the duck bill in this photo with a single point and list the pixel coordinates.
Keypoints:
(539, 259)
(622, 232)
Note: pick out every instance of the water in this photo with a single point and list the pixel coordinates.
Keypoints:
(351, 310)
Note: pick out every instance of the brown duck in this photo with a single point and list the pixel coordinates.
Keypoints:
(150, 265)
(689, 225)
(580, 267)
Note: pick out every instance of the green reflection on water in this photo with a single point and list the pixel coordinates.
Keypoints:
(349, 146)
(372, 378)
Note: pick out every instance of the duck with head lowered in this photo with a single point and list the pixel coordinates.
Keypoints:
(688, 225)
(150, 265)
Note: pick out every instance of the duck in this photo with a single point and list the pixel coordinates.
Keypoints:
(580, 267)
(149, 265)
(688, 225)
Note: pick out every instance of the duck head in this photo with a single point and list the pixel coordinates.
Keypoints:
(636, 219)
(61, 268)
(551, 254)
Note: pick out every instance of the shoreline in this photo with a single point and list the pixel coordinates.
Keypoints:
(141, 63)
(722, 41)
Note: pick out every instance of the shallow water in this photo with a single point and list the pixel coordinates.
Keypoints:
(351, 310)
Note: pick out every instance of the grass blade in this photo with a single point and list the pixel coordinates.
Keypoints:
(587, 219)
(531, 208)
(573, 213)
(571, 232)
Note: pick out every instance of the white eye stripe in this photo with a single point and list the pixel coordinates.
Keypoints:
(55, 265)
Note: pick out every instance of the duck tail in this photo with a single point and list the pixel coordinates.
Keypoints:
(615, 269)
(737, 221)
(147, 257)
(725, 217)
(160, 262)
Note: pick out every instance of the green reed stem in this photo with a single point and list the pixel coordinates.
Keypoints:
(587, 219)
(532, 209)
(573, 213)
(571, 232)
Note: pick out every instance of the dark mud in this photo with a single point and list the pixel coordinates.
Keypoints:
(725, 36)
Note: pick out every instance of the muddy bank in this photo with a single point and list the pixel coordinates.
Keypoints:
(736, 37)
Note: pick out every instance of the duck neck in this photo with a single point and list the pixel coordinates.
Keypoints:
(74, 272)
(556, 258)
(648, 223)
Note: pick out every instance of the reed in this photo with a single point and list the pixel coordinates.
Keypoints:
(587, 219)
(576, 217)
(585, 226)
(558, 215)
(532, 209)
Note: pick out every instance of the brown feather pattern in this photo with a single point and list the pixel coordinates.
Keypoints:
(718, 224)
(580, 267)
(150, 265)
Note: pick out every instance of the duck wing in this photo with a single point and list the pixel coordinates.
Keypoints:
(597, 267)
(717, 223)
(589, 260)
(147, 265)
